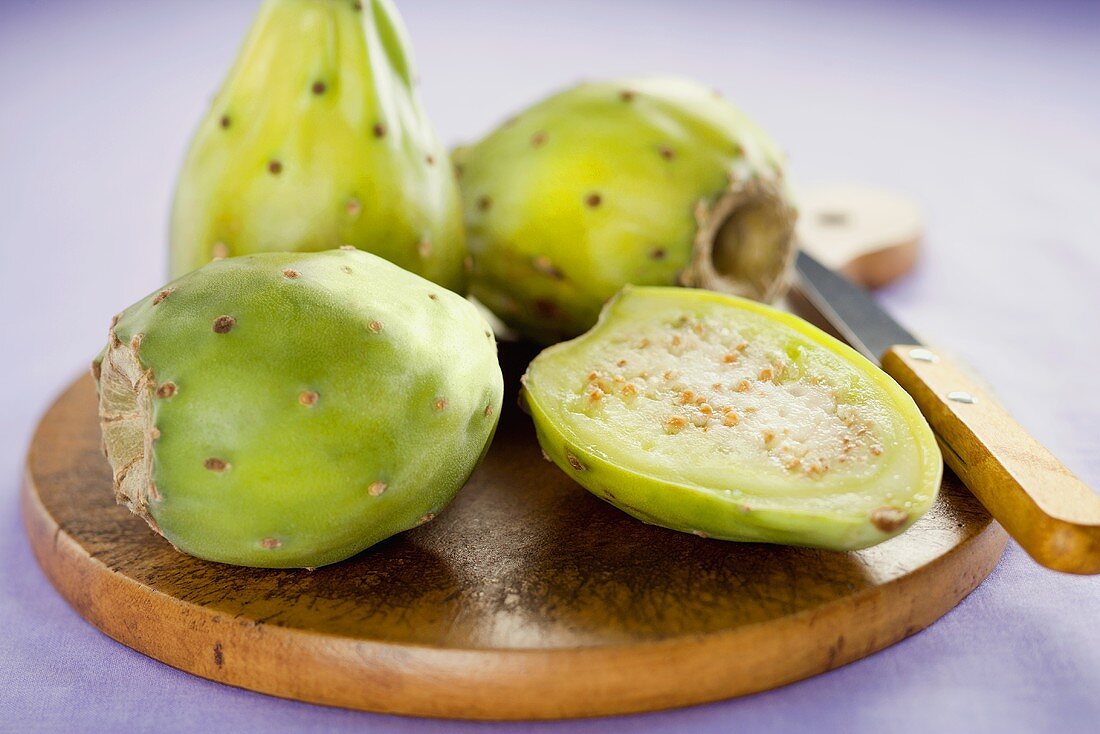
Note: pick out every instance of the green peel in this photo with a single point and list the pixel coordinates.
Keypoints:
(290, 410)
(317, 140)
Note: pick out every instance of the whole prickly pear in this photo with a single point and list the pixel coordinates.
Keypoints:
(647, 181)
(317, 140)
(288, 410)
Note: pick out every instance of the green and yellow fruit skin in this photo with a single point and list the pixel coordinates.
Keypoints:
(318, 140)
(644, 181)
(720, 416)
(291, 409)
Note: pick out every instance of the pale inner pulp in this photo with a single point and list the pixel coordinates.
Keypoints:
(707, 399)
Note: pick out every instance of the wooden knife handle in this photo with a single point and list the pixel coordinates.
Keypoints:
(1043, 506)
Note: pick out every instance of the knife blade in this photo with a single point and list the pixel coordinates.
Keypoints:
(1051, 513)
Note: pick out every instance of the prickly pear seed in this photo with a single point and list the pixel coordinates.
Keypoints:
(216, 464)
(308, 398)
(433, 296)
(166, 390)
(376, 488)
(223, 324)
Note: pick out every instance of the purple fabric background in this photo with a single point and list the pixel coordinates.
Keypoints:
(989, 114)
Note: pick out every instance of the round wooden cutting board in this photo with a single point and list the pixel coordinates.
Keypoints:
(527, 598)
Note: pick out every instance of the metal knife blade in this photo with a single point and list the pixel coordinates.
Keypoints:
(850, 309)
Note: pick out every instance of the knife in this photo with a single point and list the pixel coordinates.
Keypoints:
(1051, 513)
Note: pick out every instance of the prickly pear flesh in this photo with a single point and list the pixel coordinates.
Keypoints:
(716, 415)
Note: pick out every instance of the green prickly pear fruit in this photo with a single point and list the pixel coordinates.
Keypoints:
(290, 410)
(317, 140)
(643, 181)
(707, 413)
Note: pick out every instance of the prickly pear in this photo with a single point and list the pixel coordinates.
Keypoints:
(644, 181)
(285, 410)
(316, 140)
(712, 414)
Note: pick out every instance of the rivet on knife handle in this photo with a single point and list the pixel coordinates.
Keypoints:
(1049, 511)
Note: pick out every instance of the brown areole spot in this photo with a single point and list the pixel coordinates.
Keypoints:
(888, 518)
(225, 121)
(539, 138)
(318, 87)
(376, 488)
(484, 202)
(223, 324)
(270, 543)
(593, 200)
(276, 167)
(216, 464)
(291, 273)
(308, 398)
(440, 404)
(162, 295)
(379, 130)
(166, 390)
(574, 461)
(375, 326)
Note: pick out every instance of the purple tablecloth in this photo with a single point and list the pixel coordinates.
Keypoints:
(989, 115)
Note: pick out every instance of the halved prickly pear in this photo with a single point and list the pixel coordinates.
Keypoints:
(645, 181)
(716, 415)
(284, 410)
(318, 139)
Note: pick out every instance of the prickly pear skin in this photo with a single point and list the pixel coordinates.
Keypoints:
(607, 184)
(722, 460)
(290, 410)
(316, 140)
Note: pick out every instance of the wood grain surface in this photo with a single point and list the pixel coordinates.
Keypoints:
(527, 598)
